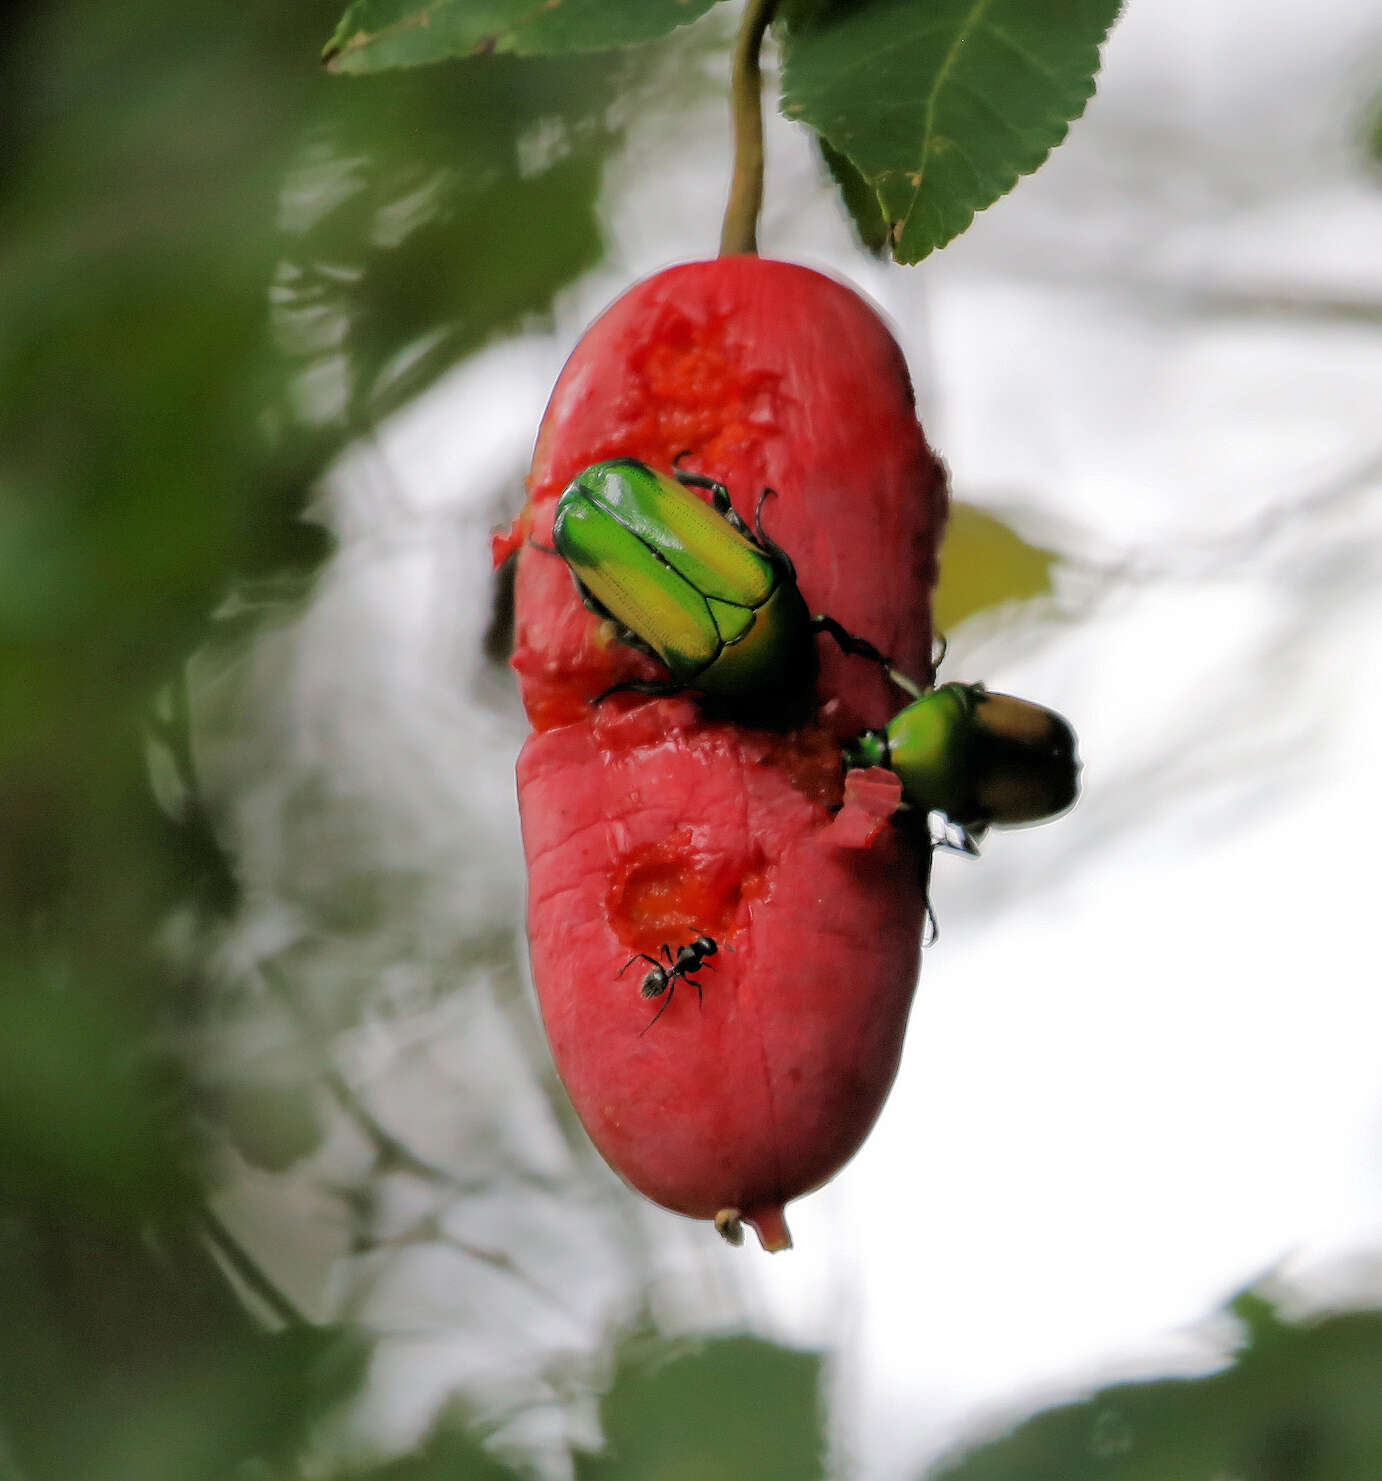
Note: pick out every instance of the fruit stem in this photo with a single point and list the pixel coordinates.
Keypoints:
(770, 1226)
(740, 230)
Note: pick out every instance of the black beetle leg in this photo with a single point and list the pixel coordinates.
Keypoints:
(766, 540)
(719, 497)
(955, 838)
(848, 643)
(758, 518)
(862, 648)
(660, 688)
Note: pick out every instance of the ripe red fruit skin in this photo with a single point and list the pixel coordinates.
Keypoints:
(646, 823)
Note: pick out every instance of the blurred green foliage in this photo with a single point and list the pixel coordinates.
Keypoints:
(375, 34)
(220, 265)
(984, 564)
(1298, 1403)
(714, 1411)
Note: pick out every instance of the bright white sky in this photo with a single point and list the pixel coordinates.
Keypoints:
(1144, 1063)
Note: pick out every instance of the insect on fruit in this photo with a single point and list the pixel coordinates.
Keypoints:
(651, 822)
(689, 583)
(663, 979)
(979, 759)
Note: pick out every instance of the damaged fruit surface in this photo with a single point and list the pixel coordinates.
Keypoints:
(647, 822)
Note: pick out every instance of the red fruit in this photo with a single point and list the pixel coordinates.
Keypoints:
(645, 824)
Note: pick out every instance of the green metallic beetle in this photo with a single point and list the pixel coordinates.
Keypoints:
(690, 583)
(977, 758)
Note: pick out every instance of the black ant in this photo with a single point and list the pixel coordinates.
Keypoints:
(663, 979)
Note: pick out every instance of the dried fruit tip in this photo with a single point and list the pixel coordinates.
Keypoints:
(770, 1226)
(730, 1226)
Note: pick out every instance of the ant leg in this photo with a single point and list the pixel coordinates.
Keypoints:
(671, 988)
(667, 953)
(641, 956)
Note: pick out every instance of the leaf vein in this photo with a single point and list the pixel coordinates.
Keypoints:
(952, 53)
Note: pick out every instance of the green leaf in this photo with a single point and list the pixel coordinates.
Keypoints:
(941, 105)
(435, 215)
(984, 564)
(860, 198)
(1298, 1404)
(375, 34)
(716, 1411)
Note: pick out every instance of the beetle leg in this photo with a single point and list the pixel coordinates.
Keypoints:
(658, 687)
(719, 497)
(545, 549)
(766, 540)
(862, 648)
(955, 838)
(858, 647)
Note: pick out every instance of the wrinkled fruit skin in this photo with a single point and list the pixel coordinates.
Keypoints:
(646, 821)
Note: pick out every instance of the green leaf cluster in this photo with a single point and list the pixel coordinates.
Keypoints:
(927, 110)
(1298, 1403)
(220, 266)
(716, 1410)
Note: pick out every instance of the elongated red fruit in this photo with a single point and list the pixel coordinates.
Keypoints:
(647, 824)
